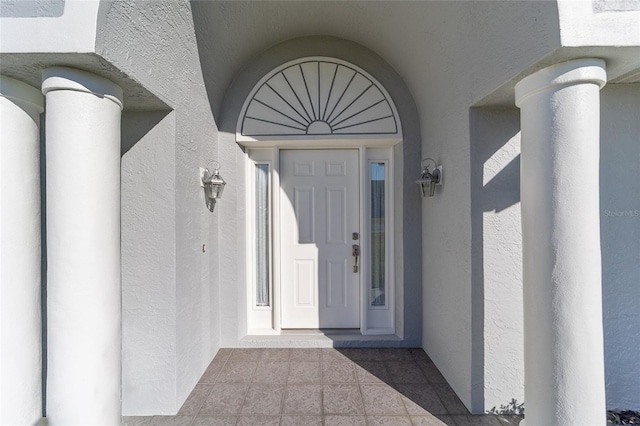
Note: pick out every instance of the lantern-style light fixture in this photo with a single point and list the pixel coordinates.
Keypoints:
(431, 176)
(213, 185)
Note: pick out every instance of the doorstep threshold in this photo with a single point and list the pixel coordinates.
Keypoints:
(321, 339)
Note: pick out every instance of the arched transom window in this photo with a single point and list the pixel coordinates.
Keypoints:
(318, 98)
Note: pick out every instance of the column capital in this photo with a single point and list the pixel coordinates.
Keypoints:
(63, 78)
(578, 71)
(16, 90)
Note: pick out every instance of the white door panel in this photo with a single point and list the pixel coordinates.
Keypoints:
(319, 210)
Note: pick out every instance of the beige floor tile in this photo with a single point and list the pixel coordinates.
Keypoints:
(345, 421)
(338, 372)
(275, 354)
(362, 354)
(237, 372)
(482, 420)
(137, 420)
(421, 399)
(388, 421)
(431, 372)
(393, 354)
(405, 372)
(382, 400)
(222, 354)
(274, 372)
(304, 372)
(419, 354)
(258, 421)
(215, 421)
(303, 399)
(263, 399)
(313, 386)
(342, 399)
(432, 420)
(372, 372)
(225, 399)
(171, 420)
(211, 373)
(450, 400)
(301, 421)
(245, 354)
(195, 400)
(305, 354)
(333, 355)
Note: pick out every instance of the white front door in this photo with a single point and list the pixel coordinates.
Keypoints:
(319, 212)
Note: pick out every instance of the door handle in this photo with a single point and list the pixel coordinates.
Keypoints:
(355, 252)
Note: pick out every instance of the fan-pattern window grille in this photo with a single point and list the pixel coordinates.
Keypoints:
(318, 97)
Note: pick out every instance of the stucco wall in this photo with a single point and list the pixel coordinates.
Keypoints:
(620, 242)
(148, 262)
(474, 48)
(588, 23)
(48, 26)
(497, 314)
(496, 249)
(167, 221)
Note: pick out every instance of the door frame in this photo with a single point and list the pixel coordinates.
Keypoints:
(265, 320)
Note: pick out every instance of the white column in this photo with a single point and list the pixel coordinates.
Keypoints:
(564, 361)
(20, 319)
(83, 248)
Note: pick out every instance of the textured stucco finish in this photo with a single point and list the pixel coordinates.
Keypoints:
(496, 255)
(154, 43)
(474, 57)
(562, 286)
(620, 237)
(581, 24)
(148, 263)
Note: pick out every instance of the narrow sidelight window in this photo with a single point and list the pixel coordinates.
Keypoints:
(262, 235)
(378, 252)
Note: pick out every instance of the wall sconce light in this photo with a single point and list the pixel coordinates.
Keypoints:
(213, 185)
(429, 179)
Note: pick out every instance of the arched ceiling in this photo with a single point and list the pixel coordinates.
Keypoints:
(476, 47)
(229, 34)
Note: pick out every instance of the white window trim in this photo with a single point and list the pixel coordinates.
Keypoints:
(379, 319)
(259, 317)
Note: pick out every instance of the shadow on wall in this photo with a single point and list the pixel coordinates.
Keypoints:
(620, 242)
(135, 125)
(496, 243)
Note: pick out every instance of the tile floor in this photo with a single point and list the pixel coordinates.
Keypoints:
(330, 387)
